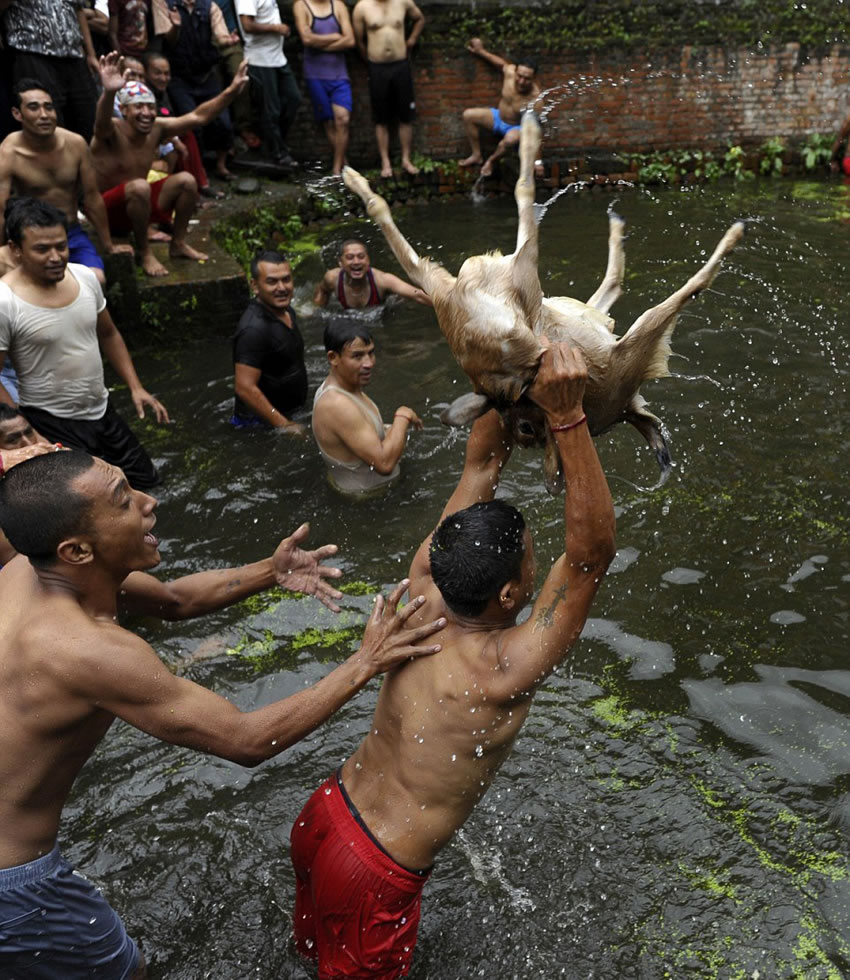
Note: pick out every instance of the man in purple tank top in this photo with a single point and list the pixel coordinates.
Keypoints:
(356, 284)
(326, 33)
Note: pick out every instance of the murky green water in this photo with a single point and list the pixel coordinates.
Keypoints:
(679, 802)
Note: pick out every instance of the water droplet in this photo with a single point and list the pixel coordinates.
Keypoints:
(479, 750)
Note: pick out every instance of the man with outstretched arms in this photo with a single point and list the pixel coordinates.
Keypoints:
(68, 669)
(53, 164)
(357, 284)
(519, 88)
(364, 844)
(124, 149)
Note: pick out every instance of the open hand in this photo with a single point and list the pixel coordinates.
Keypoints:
(143, 399)
(111, 69)
(240, 79)
(302, 571)
(387, 641)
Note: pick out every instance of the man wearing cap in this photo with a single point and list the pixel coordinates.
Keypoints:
(123, 151)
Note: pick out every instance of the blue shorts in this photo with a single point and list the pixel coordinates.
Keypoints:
(501, 128)
(81, 250)
(10, 380)
(326, 93)
(55, 925)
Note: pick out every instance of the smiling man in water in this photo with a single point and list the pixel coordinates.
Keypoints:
(68, 669)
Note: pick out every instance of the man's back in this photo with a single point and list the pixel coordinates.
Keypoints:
(438, 737)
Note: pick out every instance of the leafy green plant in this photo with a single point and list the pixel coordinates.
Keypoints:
(816, 151)
(733, 164)
(772, 150)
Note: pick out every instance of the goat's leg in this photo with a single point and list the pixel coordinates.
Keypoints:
(524, 273)
(611, 286)
(421, 271)
(642, 352)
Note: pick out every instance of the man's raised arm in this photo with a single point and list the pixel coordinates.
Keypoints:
(533, 650)
(487, 450)
(476, 46)
(290, 567)
(207, 111)
(111, 79)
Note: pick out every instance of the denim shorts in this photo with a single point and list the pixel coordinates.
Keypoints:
(55, 925)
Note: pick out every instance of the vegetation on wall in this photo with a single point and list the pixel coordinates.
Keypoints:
(601, 24)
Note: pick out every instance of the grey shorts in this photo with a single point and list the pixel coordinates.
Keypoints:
(55, 925)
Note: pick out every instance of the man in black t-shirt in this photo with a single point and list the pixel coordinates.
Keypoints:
(268, 351)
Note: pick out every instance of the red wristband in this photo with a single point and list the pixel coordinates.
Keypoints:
(568, 426)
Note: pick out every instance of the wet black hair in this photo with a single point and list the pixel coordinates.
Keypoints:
(474, 552)
(9, 412)
(21, 213)
(28, 85)
(266, 255)
(528, 62)
(38, 507)
(343, 331)
(352, 241)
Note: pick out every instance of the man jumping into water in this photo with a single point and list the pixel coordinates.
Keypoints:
(364, 844)
(519, 88)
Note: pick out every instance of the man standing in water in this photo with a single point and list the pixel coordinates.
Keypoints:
(364, 844)
(356, 284)
(519, 87)
(379, 32)
(67, 670)
(360, 452)
(270, 376)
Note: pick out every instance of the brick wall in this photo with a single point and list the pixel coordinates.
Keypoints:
(618, 98)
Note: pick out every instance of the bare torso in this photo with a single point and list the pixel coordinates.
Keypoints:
(436, 742)
(512, 102)
(128, 156)
(51, 173)
(46, 732)
(384, 21)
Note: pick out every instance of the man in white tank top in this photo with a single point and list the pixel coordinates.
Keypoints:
(361, 453)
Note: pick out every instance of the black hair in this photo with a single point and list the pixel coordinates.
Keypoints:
(28, 85)
(29, 212)
(150, 56)
(343, 331)
(269, 255)
(528, 62)
(39, 509)
(8, 412)
(474, 552)
(351, 241)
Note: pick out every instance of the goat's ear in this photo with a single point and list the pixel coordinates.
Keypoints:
(553, 474)
(466, 409)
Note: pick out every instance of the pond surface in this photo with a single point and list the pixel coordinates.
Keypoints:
(679, 801)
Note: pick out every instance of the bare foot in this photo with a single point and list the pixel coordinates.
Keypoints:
(487, 169)
(155, 235)
(386, 171)
(408, 168)
(151, 265)
(471, 161)
(181, 250)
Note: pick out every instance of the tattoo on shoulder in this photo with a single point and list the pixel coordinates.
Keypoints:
(546, 617)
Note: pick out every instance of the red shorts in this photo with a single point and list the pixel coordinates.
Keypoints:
(116, 208)
(356, 910)
(845, 165)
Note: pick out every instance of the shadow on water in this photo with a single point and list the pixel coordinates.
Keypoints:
(679, 803)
